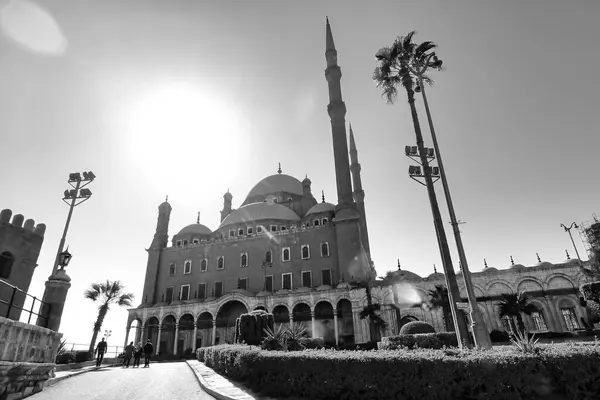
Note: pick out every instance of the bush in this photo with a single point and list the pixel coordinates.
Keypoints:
(568, 371)
(188, 354)
(83, 356)
(250, 328)
(416, 327)
(313, 343)
(591, 294)
(65, 358)
(499, 336)
(419, 340)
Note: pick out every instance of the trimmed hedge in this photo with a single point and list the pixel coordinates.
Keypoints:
(416, 327)
(591, 294)
(570, 370)
(419, 340)
(313, 343)
(82, 356)
(499, 336)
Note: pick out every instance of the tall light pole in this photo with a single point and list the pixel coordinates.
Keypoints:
(480, 332)
(573, 225)
(73, 198)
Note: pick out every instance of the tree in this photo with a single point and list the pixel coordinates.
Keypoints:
(513, 305)
(402, 64)
(106, 294)
(438, 298)
(372, 313)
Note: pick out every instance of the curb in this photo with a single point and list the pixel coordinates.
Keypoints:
(214, 392)
(54, 381)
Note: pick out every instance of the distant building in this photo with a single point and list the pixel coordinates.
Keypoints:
(20, 245)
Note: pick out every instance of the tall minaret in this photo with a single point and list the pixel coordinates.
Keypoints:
(359, 193)
(160, 241)
(227, 197)
(337, 113)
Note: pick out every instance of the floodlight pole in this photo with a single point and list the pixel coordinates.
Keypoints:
(480, 332)
(73, 178)
(568, 230)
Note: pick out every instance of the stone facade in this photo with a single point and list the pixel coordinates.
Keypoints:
(20, 245)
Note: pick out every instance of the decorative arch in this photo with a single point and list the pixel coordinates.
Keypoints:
(499, 286)
(281, 314)
(301, 312)
(169, 314)
(479, 292)
(345, 326)
(202, 312)
(232, 297)
(569, 314)
(263, 308)
(302, 301)
(530, 284)
(331, 303)
(559, 281)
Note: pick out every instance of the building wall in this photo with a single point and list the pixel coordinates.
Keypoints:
(23, 241)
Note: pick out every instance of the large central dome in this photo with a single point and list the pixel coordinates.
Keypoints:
(259, 211)
(275, 184)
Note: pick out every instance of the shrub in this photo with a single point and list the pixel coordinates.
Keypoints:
(498, 336)
(65, 358)
(591, 294)
(567, 371)
(289, 338)
(83, 356)
(416, 327)
(524, 342)
(419, 340)
(313, 343)
(188, 354)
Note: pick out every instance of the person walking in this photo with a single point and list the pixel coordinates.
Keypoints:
(128, 354)
(137, 354)
(100, 351)
(148, 350)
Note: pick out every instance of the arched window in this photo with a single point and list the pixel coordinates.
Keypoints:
(240, 231)
(268, 256)
(244, 260)
(324, 249)
(324, 221)
(204, 265)
(172, 269)
(221, 263)
(305, 252)
(285, 254)
(316, 222)
(6, 263)
(538, 321)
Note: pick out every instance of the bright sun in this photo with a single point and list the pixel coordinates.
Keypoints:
(178, 127)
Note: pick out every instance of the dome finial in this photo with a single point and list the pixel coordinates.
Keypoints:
(512, 262)
(538, 257)
(568, 258)
(167, 198)
(485, 263)
(434, 269)
(198, 219)
(399, 268)
(322, 196)
(279, 169)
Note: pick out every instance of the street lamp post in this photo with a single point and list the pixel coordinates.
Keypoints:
(480, 332)
(71, 197)
(568, 230)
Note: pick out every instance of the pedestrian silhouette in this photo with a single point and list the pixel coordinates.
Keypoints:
(100, 351)
(137, 354)
(148, 350)
(128, 354)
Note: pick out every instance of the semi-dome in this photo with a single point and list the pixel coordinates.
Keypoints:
(195, 229)
(436, 275)
(275, 184)
(321, 207)
(259, 211)
(406, 276)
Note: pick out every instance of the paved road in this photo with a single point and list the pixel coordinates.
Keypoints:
(160, 381)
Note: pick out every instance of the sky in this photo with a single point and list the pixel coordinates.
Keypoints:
(192, 98)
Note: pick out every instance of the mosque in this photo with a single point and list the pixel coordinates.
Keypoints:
(301, 259)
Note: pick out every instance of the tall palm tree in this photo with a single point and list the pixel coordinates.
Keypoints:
(397, 66)
(513, 305)
(438, 298)
(371, 312)
(106, 294)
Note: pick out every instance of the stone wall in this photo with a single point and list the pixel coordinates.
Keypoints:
(27, 355)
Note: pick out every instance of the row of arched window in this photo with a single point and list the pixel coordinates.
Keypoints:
(260, 229)
(286, 256)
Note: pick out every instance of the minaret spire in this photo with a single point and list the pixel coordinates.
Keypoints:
(198, 219)
(337, 114)
(359, 193)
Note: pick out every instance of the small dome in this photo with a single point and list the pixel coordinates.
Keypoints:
(571, 261)
(321, 207)
(489, 269)
(544, 264)
(259, 211)
(195, 228)
(275, 184)
(517, 267)
(406, 276)
(436, 275)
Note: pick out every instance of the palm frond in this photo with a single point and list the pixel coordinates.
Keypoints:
(125, 300)
(423, 48)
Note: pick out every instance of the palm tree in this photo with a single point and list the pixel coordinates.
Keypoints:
(371, 312)
(438, 298)
(513, 305)
(401, 64)
(106, 294)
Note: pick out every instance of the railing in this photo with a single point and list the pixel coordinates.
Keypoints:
(110, 350)
(11, 292)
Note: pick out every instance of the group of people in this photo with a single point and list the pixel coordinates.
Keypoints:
(136, 352)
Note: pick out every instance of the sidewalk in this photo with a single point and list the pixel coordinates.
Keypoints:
(60, 375)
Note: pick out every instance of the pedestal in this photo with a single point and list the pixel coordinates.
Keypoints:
(55, 295)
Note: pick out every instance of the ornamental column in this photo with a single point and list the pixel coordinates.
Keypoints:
(158, 340)
(214, 332)
(335, 327)
(312, 323)
(175, 340)
(141, 339)
(126, 335)
(195, 336)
